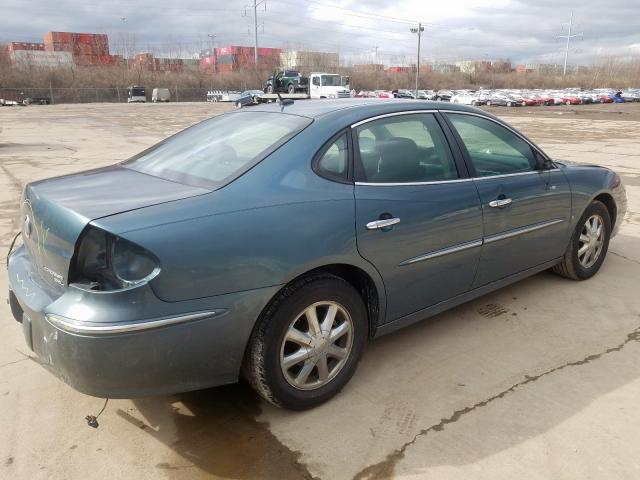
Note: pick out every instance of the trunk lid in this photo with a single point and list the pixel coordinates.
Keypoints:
(56, 211)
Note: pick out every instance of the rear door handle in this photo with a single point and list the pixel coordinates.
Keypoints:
(378, 224)
(503, 202)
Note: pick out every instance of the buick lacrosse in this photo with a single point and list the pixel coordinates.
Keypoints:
(274, 242)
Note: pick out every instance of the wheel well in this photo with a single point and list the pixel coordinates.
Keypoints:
(361, 281)
(610, 203)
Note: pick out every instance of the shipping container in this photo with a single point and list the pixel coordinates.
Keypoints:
(13, 46)
(38, 58)
(226, 59)
(78, 43)
(226, 68)
(269, 52)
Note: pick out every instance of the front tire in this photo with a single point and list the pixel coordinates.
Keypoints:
(307, 344)
(589, 244)
(291, 89)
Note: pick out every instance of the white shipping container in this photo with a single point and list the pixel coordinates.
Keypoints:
(38, 58)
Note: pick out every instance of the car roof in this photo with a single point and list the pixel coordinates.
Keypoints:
(364, 106)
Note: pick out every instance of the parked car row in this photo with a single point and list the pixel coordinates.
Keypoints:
(513, 97)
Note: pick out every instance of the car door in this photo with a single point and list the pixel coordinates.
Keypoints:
(526, 208)
(314, 86)
(418, 215)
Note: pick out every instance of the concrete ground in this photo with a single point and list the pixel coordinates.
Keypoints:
(539, 380)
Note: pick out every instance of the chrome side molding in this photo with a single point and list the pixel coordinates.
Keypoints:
(443, 251)
(521, 231)
(479, 242)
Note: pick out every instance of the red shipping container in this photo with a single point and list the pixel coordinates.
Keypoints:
(226, 68)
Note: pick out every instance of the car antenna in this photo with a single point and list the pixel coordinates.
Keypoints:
(284, 101)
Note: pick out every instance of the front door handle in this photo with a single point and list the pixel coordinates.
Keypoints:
(503, 202)
(378, 224)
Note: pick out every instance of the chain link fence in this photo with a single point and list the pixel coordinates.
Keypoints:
(92, 95)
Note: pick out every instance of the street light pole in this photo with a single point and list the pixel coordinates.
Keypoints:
(419, 31)
(212, 38)
(375, 66)
(126, 50)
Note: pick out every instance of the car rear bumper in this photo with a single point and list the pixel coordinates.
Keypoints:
(133, 344)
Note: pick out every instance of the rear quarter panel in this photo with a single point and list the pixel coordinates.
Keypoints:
(272, 224)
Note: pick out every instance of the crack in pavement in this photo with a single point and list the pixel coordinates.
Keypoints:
(385, 468)
(626, 258)
(14, 362)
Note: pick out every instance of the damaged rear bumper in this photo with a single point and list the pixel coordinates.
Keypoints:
(131, 344)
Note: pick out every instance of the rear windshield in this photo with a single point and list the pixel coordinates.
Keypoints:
(214, 152)
(137, 92)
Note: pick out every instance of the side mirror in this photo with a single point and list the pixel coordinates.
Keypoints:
(543, 162)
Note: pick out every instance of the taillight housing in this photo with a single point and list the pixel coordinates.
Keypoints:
(106, 262)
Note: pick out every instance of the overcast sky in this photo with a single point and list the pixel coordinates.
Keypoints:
(523, 31)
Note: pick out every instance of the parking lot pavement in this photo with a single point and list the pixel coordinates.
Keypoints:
(538, 380)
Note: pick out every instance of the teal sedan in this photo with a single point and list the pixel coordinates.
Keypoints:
(273, 242)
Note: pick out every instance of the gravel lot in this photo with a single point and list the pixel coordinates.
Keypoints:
(538, 380)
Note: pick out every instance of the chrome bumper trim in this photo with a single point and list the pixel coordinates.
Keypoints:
(73, 326)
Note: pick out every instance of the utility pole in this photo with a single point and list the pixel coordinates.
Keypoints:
(255, 6)
(419, 31)
(568, 37)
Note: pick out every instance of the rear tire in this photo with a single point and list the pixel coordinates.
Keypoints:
(586, 251)
(286, 332)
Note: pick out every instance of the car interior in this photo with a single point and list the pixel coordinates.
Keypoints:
(396, 157)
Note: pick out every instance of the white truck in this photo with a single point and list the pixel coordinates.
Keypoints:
(292, 84)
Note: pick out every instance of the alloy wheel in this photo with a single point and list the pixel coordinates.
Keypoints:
(591, 241)
(316, 345)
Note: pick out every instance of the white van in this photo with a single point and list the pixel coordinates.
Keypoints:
(160, 95)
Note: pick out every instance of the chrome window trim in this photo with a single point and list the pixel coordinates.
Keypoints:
(408, 184)
(443, 251)
(522, 230)
(394, 114)
(516, 174)
(479, 242)
(462, 112)
(73, 326)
